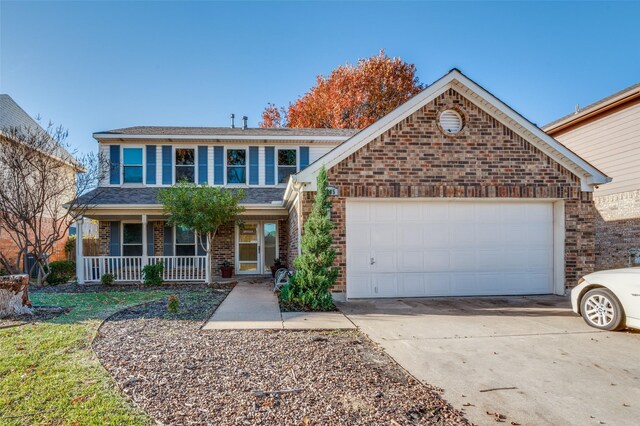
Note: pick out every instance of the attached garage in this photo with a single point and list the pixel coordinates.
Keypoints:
(415, 248)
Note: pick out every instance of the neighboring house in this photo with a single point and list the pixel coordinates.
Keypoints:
(607, 133)
(452, 193)
(12, 116)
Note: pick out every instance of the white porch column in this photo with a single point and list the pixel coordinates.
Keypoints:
(79, 258)
(145, 255)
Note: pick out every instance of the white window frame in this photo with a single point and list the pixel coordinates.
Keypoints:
(195, 162)
(246, 165)
(122, 244)
(276, 165)
(175, 243)
(144, 165)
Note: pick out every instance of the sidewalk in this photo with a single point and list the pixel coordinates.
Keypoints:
(253, 306)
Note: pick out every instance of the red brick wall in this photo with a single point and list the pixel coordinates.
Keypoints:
(10, 250)
(485, 160)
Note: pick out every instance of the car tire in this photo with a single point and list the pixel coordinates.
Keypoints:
(601, 309)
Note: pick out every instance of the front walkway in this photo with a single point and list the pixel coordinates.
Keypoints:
(255, 306)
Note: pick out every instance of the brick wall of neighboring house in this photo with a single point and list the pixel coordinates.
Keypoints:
(485, 160)
(10, 250)
(617, 228)
(104, 235)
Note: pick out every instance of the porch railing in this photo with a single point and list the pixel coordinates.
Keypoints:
(129, 268)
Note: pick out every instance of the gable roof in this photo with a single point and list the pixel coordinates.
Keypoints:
(454, 79)
(12, 116)
(226, 133)
(612, 103)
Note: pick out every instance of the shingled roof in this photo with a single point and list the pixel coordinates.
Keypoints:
(227, 131)
(148, 196)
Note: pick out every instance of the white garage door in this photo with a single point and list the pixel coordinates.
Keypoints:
(448, 248)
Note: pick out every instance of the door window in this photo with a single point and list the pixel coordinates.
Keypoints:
(248, 248)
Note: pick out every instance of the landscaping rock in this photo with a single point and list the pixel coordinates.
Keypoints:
(182, 375)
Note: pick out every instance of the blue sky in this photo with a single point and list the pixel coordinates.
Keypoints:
(94, 66)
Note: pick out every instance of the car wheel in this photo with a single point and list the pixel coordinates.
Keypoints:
(601, 309)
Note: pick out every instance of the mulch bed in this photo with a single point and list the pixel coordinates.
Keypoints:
(100, 288)
(40, 313)
(183, 375)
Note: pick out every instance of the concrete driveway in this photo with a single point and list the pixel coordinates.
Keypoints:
(527, 358)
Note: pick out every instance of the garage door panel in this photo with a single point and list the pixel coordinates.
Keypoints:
(411, 285)
(435, 212)
(385, 285)
(440, 248)
(358, 212)
(435, 234)
(411, 261)
(383, 212)
(410, 212)
(384, 261)
(436, 260)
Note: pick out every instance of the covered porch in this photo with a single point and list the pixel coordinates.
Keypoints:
(130, 240)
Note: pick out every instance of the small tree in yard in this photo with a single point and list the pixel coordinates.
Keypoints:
(201, 208)
(41, 192)
(315, 273)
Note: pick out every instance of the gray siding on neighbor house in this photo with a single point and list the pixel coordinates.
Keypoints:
(612, 144)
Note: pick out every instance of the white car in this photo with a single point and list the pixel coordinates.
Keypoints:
(609, 300)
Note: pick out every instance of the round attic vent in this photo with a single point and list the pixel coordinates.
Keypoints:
(450, 121)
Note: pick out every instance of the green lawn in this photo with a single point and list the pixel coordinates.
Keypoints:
(49, 373)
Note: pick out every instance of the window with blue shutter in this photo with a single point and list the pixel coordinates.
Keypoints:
(304, 157)
(218, 165)
(114, 239)
(151, 164)
(269, 165)
(167, 175)
(203, 161)
(114, 164)
(253, 165)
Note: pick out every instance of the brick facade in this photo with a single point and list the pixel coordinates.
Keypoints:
(617, 228)
(104, 235)
(158, 238)
(485, 160)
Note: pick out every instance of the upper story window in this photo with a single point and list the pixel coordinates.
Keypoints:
(287, 164)
(185, 241)
(185, 165)
(236, 166)
(132, 239)
(132, 165)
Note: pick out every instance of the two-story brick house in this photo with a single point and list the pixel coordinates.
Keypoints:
(452, 193)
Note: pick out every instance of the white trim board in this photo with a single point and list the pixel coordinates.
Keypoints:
(588, 174)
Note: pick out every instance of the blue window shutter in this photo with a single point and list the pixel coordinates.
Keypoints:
(150, 239)
(167, 243)
(218, 165)
(114, 161)
(151, 164)
(203, 161)
(114, 240)
(253, 165)
(269, 164)
(167, 166)
(304, 157)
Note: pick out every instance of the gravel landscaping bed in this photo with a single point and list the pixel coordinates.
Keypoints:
(183, 375)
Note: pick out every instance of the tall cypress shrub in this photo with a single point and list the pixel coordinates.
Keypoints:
(315, 273)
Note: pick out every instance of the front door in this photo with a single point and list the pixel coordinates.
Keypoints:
(257, 247)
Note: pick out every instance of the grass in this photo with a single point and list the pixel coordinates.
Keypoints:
(50, 375)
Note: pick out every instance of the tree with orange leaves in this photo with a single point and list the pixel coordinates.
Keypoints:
(352, 96)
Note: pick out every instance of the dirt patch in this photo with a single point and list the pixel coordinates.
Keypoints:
(40, 313)
(181, 374)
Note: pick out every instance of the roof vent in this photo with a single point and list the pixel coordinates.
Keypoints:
(233, 124)
(451, 121)
(244, 122)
